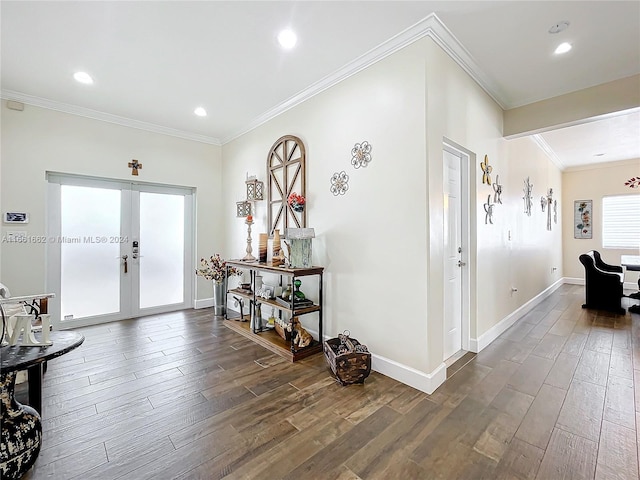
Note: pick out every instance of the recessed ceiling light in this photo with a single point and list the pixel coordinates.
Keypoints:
(83, 77)
(598, 155)
(559, 27)
(287, 39)
(563, 48)
(201, 112)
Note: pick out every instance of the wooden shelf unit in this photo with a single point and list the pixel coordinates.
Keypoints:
(269, 338)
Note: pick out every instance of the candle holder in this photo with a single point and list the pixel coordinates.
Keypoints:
(248, 257)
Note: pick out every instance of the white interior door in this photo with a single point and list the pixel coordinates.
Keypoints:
(117, 250)
(453, 254)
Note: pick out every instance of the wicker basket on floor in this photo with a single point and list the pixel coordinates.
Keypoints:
(349, 360)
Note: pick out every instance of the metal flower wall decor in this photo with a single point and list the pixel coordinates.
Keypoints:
(497, 188)
(528, 196)
(361, 154)
(488, 208)
(486, 170)
(633, 182)
(339, 183)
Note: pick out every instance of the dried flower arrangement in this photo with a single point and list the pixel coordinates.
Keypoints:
(215, 269)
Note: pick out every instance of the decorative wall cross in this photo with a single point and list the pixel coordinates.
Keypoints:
(135, 166)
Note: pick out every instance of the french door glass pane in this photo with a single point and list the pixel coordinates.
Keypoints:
(90, 265)
(161, 249)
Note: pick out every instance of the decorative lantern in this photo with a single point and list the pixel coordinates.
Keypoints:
(255, 189)
(243, 209)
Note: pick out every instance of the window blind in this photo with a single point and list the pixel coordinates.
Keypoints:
(621, 221)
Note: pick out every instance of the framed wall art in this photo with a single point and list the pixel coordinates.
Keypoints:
(582, 219)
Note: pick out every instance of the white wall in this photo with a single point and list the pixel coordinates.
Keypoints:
(593, 183)
(381, 243)
(38, 140)
(459, 110)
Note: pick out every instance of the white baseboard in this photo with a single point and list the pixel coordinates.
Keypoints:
(203, 303)
(425, 382)
(477, 345)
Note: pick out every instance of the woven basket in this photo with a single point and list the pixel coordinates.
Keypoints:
(350, 367)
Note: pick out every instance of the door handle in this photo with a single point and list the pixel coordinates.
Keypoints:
(461, 263)
(124, 257)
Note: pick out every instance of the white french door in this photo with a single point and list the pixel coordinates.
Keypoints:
(117, 249)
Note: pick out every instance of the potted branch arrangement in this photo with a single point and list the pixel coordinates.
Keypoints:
(215, 268)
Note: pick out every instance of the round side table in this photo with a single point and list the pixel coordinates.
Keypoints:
(21, 431)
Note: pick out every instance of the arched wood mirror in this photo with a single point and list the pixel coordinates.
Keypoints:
(286, 172)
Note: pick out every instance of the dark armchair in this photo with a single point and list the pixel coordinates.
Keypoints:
(603, 283)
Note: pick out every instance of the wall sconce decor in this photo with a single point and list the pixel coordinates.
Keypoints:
(243, 209)
(555, 211)
(255, 189)
(361, 154)
(528, 196)
(339, 183)
(543, 203)
(486, 170)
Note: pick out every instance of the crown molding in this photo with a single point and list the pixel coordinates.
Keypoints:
(105, 117)
(546, 148)
(430, 26)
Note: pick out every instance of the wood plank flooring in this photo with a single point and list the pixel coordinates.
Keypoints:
(179, 396)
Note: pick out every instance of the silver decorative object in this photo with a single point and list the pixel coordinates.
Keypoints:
(543, 203)
(497, 188)
(299, 245)
(339, 183)
(361, 155)
(555, 211)
(488, 208)
(549, 200)
(528, 196)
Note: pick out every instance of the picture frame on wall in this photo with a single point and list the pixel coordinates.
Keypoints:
(583, 219)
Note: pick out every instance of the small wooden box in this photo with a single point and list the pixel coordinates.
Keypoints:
(286, 335)
(350, 367)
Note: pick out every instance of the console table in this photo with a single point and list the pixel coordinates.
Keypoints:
(269, 338)
(21, 426)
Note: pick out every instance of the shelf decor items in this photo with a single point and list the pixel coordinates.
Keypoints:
(296, 202)
(299, 245)
(249, 257)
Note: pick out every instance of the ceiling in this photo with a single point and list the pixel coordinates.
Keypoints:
(154, 62)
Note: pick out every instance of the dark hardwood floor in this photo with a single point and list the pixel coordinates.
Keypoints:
(179, 396)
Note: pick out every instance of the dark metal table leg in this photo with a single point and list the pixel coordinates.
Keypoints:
(35, 387)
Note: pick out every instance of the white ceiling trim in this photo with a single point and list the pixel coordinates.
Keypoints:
(430, 26)
(105, 117)
(544, 146)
